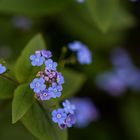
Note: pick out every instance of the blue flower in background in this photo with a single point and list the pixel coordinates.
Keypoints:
(37, 60)
(120, 58)
(68, 107)
(70, 120)
(38, 85)
(22, 22)
(75, 46)
(59, 116)
(45, 95)
(50, 65)
(111, 83)
(2, 69)
(84, 56)
(60, 78)
(46, 54)
(85, 113)
(55, 90)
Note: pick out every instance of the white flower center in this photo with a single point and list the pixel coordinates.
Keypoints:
(45, 94)
(58, 116)
(50, 65)
(55, 90)
(37, 84)
(37, 60)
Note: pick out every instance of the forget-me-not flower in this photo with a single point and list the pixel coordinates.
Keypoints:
(2, 69)
(46, 54)
(59, 116)
(84, 56)
(45, 95)
(37, 60)
(60, 78)
(55, 90)
(68, 107)
(38, 85)
(70, 120)
(50, 65)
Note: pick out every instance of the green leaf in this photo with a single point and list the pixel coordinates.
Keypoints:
(102, 12)
(39, 123)
(131, 116)
(23, 68)
(7, 88)
(73, 82)
(23, 99)
(33, 7)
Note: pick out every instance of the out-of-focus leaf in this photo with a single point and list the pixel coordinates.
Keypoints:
(23, 99)
(32, 7)
(23, 68)
(102, 12)
(39, 123)
(88, 33)
(7, 88)
(9, 131)
(78, 22)
(131, 117)
(73, 82)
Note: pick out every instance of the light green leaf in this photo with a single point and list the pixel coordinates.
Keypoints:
(22, 101)
(73, 82)
(102, 12)
(39, 123)
(23, 68)
(7, 88)
(33, 7)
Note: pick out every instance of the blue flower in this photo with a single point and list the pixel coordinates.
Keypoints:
(70, 120)
(2, 69)
(38, 85)
(37, 60)
(63, 126)
(50, 65)
(59, 116)
(84, 56)
(46, 54)
(45, 95)
(60, 78)
(75, 46)
(85, 112)
(68, 107)
(55, 90)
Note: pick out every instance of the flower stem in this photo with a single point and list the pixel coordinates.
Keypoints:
(10, 79)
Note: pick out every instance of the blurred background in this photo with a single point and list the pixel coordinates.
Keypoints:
(111, 30)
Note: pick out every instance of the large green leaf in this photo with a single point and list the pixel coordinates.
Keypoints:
(23, 68)
(23, 99)
(6, 88)
(102, 12)
(32, 7)
(39, 123)
(78, 22)
(73, 82)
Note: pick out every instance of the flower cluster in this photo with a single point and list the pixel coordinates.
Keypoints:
(65, 117)
(86, 112)
(84, 55)
(123, 75)
(48, 83)
(2, 69)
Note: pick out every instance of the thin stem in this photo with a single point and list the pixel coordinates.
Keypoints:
(10, 79)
